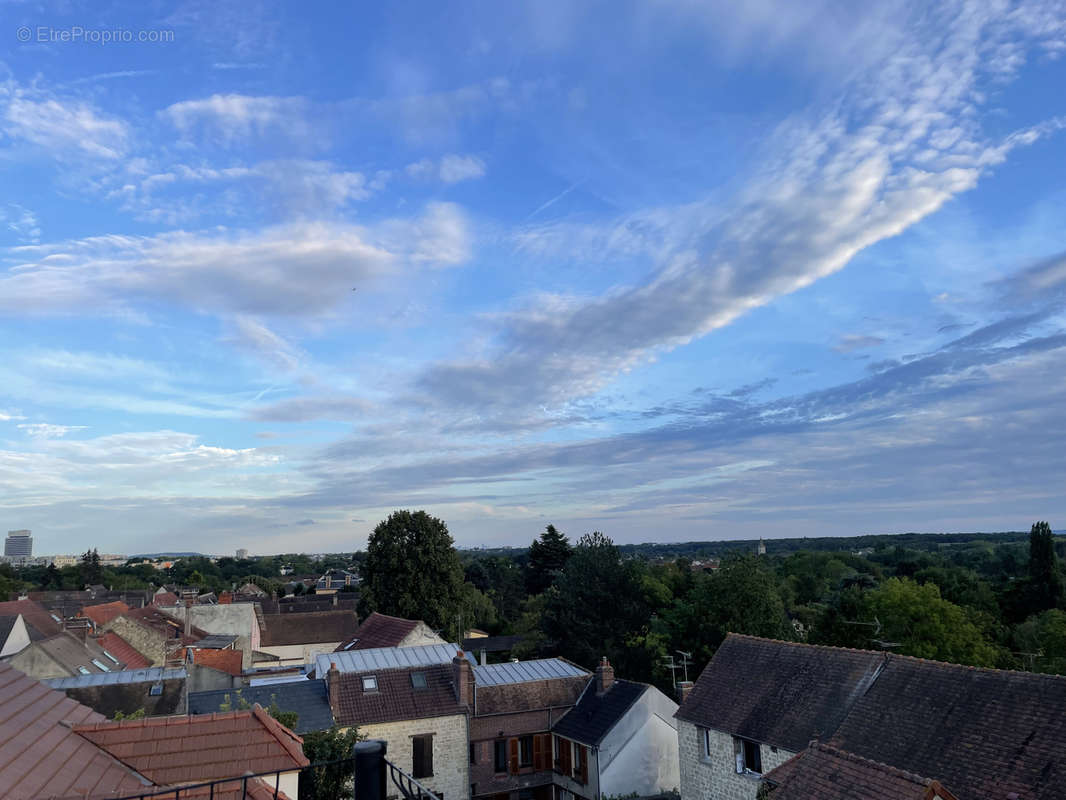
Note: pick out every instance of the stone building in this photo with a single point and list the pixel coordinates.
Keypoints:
(297, 638)
(760, 702)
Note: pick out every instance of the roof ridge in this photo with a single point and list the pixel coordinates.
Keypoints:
(880, 765)
(292, 743)
(888, 656)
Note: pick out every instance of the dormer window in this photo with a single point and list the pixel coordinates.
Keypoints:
(370, 683)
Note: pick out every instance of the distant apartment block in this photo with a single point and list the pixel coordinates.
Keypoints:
(18, 544)
(242, 554)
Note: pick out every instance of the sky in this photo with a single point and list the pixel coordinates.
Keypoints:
(671, 270)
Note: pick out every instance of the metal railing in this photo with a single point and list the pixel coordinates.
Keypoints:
(365, 775)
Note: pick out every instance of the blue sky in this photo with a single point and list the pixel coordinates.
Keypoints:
(672, 270)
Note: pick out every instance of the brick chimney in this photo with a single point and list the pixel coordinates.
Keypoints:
(604, 676)
(683, 689)
(463, 678)
(188, 618)
(333, 689)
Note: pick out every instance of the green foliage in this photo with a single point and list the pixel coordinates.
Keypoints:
(138, 714)
(928, 626)
(286, 718)
(90, 569)
(596, 608)
(1042, 587)
(329, 782)
(412, 570)
(547, 557)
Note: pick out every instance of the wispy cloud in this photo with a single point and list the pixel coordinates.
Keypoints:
(234, 117)
(451, 168)
(65, 128)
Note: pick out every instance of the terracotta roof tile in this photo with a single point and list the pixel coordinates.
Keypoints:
(122, 650)
(315, 627)
(105, 612)
(40, 756)
(174, 750)
(39, 622)
(229, 661)
(395, 697)
(827, 773)
(165, 599)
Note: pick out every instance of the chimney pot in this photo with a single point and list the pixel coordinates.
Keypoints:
(333, 689)
(683, 689)
(463, 677)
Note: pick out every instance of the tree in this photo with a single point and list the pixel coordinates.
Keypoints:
(928, 626)
(332, 782)
(547, 557)
(91, 571)
(1042, 587)
(412, 570)
(597, 608)
(1044, 636)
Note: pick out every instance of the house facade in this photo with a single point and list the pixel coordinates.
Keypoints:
(620, 738)
(381, 630)
(419, 711)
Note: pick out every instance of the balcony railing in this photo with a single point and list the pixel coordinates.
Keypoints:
(365, 775)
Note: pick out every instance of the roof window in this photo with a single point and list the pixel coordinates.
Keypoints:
(370, 683)
(100, 665)
(156, 690)
(418, 680)
(84, 670)
(111, 657)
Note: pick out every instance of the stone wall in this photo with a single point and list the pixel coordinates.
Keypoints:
(450, 755)
(715, 777)
(149, 642)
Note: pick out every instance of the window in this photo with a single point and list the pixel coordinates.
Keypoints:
(156, 690)
(422, 755)
(473, 789)
(111, 657)
(748, 756)
(525, 751)
(84, 670)
(418, 680)
(705, 742)
(473, 754)
(100, 665)
(499, 755)
(370, 683)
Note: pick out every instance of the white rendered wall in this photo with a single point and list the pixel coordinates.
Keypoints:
(640, 753)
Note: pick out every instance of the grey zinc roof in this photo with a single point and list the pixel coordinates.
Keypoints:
(150, 675)
(521, 671)
(387, 658)
(216, 641)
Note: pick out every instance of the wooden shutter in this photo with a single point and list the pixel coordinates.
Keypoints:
(564, 757)
(584, 763)
(422, 756)
(538, 753)
(513, 743)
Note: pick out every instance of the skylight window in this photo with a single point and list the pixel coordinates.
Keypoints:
(84, 670)
(418, 680)
(370, 683)
(53, 616)
(350, 644)
(156, 690)
(110, 656)
(100, 665)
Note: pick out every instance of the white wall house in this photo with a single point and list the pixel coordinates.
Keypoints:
(14, 636)
(627, 733)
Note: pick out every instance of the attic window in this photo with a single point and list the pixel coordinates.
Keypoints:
(350, 644)
(100, 665)
(156, 690)
(84, 670)
(110, 656)
(418, 680)
(53, 616)
(370, 683)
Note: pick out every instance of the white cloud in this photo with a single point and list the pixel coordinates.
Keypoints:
(255, 337)
(44, 430)
(66, 128)
(233, 117)
(451, 168)
(20, 221)
(300, 269)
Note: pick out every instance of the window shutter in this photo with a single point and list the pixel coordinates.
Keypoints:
(584, 763)
(538, 753)
(564, 757)
(427, 754)
(514, 755)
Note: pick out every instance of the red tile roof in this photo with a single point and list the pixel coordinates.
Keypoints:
(380, 630)
(40, 756)
(830, 774)
(165, 599)
(177, 750)
(122, 650)
(105, 612)
(314, 627)
(395, 697)
(230, 661)
(37, 618)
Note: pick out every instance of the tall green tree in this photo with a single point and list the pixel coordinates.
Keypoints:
(91, 571)
(597, 608)
(547, 557)
(412, 570)
(1042, 587)
(333, 781)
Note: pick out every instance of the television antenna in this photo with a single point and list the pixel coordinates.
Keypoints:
(686, 659)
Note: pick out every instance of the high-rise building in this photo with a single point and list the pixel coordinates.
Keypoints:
(19, 544)
(242, 553)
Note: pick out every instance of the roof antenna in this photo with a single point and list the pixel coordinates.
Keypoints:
(685, 661)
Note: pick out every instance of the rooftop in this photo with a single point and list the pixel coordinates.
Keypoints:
(105, 612)
(228, 661)
(387, 658)
(312, 627)
(40, 624)
(77, 656)
(397, 694)
(150, 675)
(114, 644)
(521, 671)
(595, 714)
(40, 756)
(307, 698)
(381, 630)
(215, 641)
(175, 750)
(829, 774)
